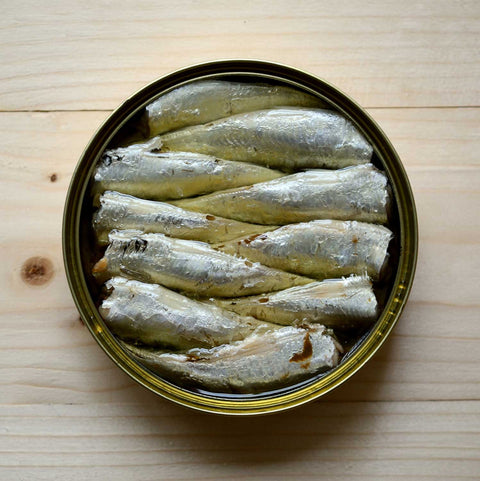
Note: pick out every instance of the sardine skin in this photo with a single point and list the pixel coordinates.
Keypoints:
(354, 193)
(319, 248)
(153, 315)
(258, 363)
(188, 266)
(335, 303)
(288, 139)
(206, 100)
(140, 170)
(125, 212)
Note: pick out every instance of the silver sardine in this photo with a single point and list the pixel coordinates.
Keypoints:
(122, 211)
(141, 171)
(337, 303)
(284, 138)
(189, 266)
(258, 363)
(153, 315)
(206, 100)
(354, 193)
(319, 248)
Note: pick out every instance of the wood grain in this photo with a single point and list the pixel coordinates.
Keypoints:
(93, 54)
(331, 441)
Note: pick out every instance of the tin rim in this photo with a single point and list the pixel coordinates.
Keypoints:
(408, 232)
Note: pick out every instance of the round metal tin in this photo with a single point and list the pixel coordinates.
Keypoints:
(76, 224)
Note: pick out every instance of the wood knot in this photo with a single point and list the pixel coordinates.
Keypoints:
(37, 271)
(53, 178)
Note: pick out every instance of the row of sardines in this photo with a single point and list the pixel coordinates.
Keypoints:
(240, 236)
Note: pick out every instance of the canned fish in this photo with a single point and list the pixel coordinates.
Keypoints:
(259, 212)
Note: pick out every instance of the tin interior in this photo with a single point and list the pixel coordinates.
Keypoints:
(80, 252)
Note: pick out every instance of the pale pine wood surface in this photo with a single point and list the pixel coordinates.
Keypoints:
(411, 413)
(93, 54)
(327, 441)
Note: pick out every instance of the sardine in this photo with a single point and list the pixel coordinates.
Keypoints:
(319, 248)
(154, 315)
(189, 266)
(258, 363)
(141, 171)
(354, 193)
(284, 138)
(336, 303)
(207, 100)
(122, 211)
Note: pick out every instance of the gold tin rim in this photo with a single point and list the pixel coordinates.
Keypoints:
(370, 344)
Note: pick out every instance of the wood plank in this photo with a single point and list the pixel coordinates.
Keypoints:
(33, 340)
(354, 441)
(48, 356)
(66, 55)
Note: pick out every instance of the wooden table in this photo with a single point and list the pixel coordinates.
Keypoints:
(67, 412)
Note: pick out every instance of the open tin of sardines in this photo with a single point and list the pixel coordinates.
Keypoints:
(240, 237)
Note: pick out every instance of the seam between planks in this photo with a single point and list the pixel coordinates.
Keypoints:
(393, 107)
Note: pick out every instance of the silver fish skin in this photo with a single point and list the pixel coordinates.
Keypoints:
(284, 138)
(258, 363)
(319, 248)
(188, 266)
(154, 315)
(138, 171)
(206, 100)
(354, 193)
(335, 303)
(124, 212)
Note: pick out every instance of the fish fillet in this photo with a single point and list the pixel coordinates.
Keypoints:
(207, 100)
(142, 171)
(122, 211)
(154, 315)
(284, 138)
(258, 363)
(189, 266)
(354, 193)
(336, 303)
(319, 248)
